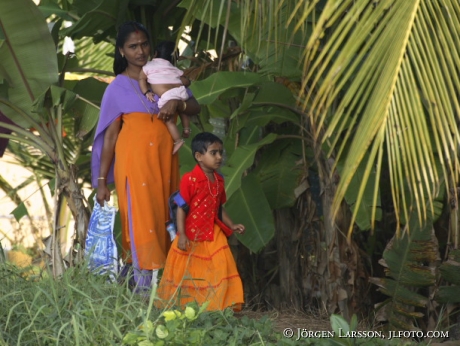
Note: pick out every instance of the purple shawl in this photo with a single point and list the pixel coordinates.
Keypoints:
(119, 98)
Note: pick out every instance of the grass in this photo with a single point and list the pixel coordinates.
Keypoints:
(77, 309)
(82, 309)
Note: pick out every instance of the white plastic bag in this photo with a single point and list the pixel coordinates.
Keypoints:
(100, 248)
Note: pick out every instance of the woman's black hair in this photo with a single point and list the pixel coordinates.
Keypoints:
(165, 50)
(202, 141)
(124, 30)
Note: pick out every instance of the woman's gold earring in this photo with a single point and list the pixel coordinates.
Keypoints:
(122, 55)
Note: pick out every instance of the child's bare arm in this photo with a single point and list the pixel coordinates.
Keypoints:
(238, 228)
(185, 120)
(143, 82)
(183, 241)
(185, 81)
(145, 87)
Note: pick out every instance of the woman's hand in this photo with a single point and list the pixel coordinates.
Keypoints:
(183, 242)
(102, 194)
(170, 109)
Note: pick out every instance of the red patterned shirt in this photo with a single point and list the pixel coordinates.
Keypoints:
(204, 199)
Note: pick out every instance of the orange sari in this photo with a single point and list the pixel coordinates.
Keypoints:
(146, 173)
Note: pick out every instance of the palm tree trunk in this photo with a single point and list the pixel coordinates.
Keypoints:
(340, 261)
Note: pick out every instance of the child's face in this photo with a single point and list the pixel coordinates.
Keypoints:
(212, 159)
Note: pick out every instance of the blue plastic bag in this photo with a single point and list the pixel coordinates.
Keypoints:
(175, 201)
(100, 247)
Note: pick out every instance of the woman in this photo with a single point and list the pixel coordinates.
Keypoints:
(132, 147)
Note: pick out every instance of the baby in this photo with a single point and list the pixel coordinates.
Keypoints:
(169, 83)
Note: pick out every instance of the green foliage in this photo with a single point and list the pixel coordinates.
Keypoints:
(84, 309)
(77, 308)
(348, 334)
(367, 206)
(240, 161)
(20, 211)
(28, 62)
(2, 254)
(408, 260)
(450, 272)
(279, 173)
(194, 326)
(209, 89)
(250, 207)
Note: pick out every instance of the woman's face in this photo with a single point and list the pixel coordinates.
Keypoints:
(136, 49)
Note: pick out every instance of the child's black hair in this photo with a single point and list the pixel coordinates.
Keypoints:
(202, 141)
(165, 50)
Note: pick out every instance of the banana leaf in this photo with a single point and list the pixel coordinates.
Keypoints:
(241, 159)
(279, 174)
(208, 90)
(249, 206)
(28, 62)
(98, 19)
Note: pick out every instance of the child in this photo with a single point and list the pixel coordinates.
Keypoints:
(168, 82)
(200, 266)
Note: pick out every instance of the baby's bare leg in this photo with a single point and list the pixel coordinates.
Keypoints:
(174, 131)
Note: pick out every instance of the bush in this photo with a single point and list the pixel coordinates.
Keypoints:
(83, 309)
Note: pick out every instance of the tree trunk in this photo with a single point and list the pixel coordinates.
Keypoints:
(75, 200)
(340, 262)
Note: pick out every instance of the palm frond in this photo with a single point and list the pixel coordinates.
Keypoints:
(384, 76)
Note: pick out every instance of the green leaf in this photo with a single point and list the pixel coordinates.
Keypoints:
(48, 8)
(86, 107)
(130, 339)
(245, 104)
(28, 58)
(208, 90)
(186, 159)
(249, 206)
(450, 272)
(161, 331)
(448, 294)
(339, 324)
(279, 174)
(407, 259)
(366, 205)
(97, 18)
(272, 92)
(241, 159)
(20, 211)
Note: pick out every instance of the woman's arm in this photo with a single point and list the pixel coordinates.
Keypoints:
(107, 154)
(172, 107)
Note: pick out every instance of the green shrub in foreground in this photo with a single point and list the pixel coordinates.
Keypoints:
(83, 309)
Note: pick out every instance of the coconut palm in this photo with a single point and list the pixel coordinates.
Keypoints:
(380, 91)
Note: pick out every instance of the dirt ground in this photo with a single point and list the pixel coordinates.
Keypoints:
(291, 319)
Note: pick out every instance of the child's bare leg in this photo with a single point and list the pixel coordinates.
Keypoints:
(174, 131)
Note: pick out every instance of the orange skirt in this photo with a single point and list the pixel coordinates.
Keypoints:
(207, 272)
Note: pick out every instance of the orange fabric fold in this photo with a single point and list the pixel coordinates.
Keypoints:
(144, 162)
(207, 272)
